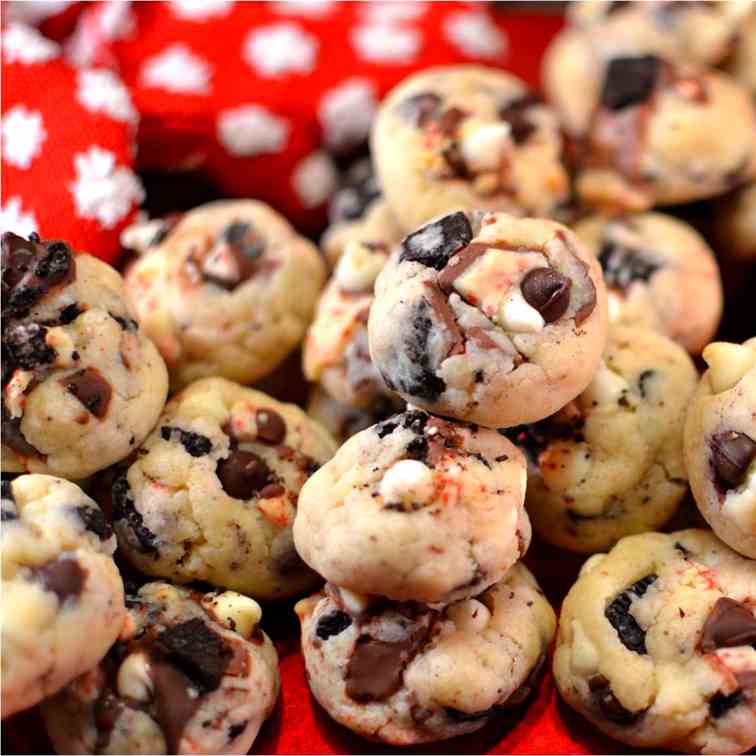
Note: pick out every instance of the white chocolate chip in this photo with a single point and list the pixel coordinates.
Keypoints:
(614, 304)
(515, 314)
(359, 266)
(15, 392)
(483, 144)
(606, 388)
(354, 603)
(239, 613)
(134, 680)
(407, 480)
(469, 615)
(728, 363)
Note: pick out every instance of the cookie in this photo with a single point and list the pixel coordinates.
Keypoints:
(656, 644)
(82, 385)
(610, 463)
(467, 136)
(489, 318)
(229, 292)
(403, 673)
(358, 212)
(720, 443)
(742, 63)
(735, 224)
(416, 508)
(659, 273)
(190, 673)
(62, 594)
(213, 491)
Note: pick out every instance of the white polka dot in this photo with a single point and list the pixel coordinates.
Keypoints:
(386, 43)
(23, 133)
(101, 91)
(22, 44)
(475, 34)
(103, 190)
(201, 10)
(306, 8)
(280, 49)
(314, 179)
(177, 69)
(13, 218)
(251, 130)
(346, 112)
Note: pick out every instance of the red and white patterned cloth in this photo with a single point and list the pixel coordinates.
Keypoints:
(68, 147)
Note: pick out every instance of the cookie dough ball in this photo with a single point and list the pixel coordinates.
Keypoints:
(656, 644)
(62, 594)
(213, 491)
(720, 443)
(742, 63)
(190, 673)
(229, 292)
(659, 273)
(417, 509)
(358, 213)
(82, 385)
(610, 463)
(467, 136)
(405, 673)
(735, 224)
(489, 318)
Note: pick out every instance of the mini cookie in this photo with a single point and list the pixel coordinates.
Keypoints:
(336, 352)
(659, 273)
(229, 292)
(720, 443)
(213, 491)
(358, 213)
(82, 385)
(656, 644)
(642, 126)
(406, 673)
(62, 594)
(742, 63)
(489, 318)
(416, 509)
(467, 136)
(190, 673)
(735, 223)
(610, 463)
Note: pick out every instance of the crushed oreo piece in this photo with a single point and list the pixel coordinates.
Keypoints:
(629, 81)
(331, 624)
(143, 540)
(359, 190)
(26, 346)
(127, 324)
(8, 511)
(610, 706)
(623, 265)
(94, 521)
(516, 114)
(195, 443)
(420, 109)
(433, 244)
(421, 380)
(631, 634)
(720, 703)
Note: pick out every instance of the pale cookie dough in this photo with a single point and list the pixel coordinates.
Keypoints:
(62, 604)
(735, 224)
(467, 136)
(213, 492)
(229, 292)
(657, 644)
(659, 273)
(742, 63)
(406, 673)
(610, 463)
(720, 444)
(190, 673)
(416, 509)
(82, 385)
(489, 318)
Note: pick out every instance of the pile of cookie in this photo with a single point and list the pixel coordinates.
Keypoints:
(499, 328)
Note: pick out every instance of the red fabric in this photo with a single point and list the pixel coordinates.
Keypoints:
(56, 20)
(67, 147)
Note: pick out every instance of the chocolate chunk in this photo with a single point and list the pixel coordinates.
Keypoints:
(176, 701)
(629, 81)
(419, 109)
(271, 427)
(63, 577)
(143, 540)
(433, 244)
(69, 313)
(515, 113)
(623, 265)
(610, 706)
(107, 710)
(13, 437)
(243, 474)
(199, 652)
(360, 188)
(91, 389)
(9, 511)
(445, 315)
(331, 624)
(547, 291)
(450, 121)
(26, 345)
(720, 704)
(127, 324)
(731, 456)
(417, 449)
(236, 257)
(631, 634)
(94, 521)
(195, 443)
(235, 233)
(729, 624)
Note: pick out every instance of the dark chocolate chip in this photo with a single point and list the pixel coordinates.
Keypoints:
(63, 577)
(94, 521)
(243, 474)
(433, 244)
(450, 121)
(26, 345)
(419, 109)
(69, 313)
(235, 233)
(271, 427)
(729, 624)
(623, 265)
(195, 443)
(515, 113)
(331, 624)
(631, 634)
(731, 455)
(610, 706)
(91, 389)
(127, 324)
(144, 540)
(236, 729)
(629, 81)
(720, 704)
(547, 291)
(175, 701)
